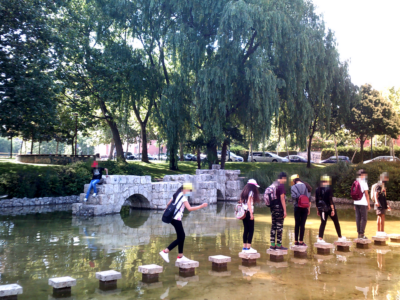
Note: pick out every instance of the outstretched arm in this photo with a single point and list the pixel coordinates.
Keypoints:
(192, 208)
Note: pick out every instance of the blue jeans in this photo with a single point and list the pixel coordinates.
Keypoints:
(92, 185)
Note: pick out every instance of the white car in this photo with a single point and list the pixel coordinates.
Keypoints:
(233, 156)
(383, 158)
(267, 157)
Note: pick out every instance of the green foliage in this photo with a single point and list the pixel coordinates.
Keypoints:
(349, 151)
(343, 186)
(6, 143)
(57, 181)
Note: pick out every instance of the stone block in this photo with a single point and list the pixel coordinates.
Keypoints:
(276, 255)
(110, 275)
(394, 238)
(62, 282)
(296, 248)
(343, 246)
(249, 258)
(150, 269)
(216, 167)
(323, 245)
(143, 180)
(362, 243)
(219, 259)
(8, 290)
(189, 264)
(380, 240)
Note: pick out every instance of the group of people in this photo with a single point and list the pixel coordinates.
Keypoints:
(300, 193)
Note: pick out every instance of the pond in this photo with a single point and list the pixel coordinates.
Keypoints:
(38, 246)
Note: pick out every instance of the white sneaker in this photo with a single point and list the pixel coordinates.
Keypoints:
(84, 200)
(321, 241)
(342, 239)
(164, 256)
(381, 233)
(94, 194)
(183, 258)
(250, 251)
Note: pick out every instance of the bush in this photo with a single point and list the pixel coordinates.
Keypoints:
(57, 181)
(349, 151)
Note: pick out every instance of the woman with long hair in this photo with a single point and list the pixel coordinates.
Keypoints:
(248, 197)
(378, 194)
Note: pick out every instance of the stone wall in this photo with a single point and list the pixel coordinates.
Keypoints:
(42, 209)
(51, 159)
(21, 202)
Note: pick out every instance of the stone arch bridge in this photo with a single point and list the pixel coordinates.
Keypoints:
(139, 192)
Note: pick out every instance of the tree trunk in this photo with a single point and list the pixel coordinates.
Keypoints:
(173, 164)
(336, 152)
(223, 153)
(372, 154)
(362, 147)
(145, 157)
(251, 152)
(32, 145)
(40, 143)
(111, 154)
(127, 145)
(11, 148)
(287, 151)
(73, 146)
(198, 158)
(117, 140)
(212, 156)
(181, 151)
(314, 126)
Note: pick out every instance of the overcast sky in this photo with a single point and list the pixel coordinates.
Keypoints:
(368, 33)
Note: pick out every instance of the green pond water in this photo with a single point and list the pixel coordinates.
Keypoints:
(37, 246)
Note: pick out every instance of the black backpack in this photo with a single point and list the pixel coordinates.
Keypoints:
(171, 211)
(321, 204)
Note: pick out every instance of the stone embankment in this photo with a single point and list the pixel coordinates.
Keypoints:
(22, 202)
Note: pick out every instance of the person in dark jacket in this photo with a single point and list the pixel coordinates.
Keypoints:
(326, 207)
(96, 178)
(378, 193)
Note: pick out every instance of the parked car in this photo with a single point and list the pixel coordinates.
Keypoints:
(332, 160)
(163, 156)
(131, 157)
(297, 159)
(383, 158)
(230, 156)
(189, 157)
(267, 157)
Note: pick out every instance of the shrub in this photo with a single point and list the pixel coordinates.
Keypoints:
(57, 181)
(349, 151)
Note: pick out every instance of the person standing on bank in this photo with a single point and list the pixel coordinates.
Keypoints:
(326, 207)
(378, 194)
(359, 193)
(278, 213)
(301, 192)
(248, 197)
(96, 179)
(181, 199)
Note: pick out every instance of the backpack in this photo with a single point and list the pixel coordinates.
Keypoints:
(270, 194)
(171, 211)
(321, 204)
(356, 193)
(303, 201)
(240, 212)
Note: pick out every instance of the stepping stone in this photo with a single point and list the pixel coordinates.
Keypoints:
(299, 251)
(249, 271)
(276, 255)
(380, 240)
(150, 273)
(187, 268)
(278, 265)
(219, 273)
(249, 258)
(343, 246)
(62, 286)
(362, 243)
(219, 262)
(10, 291)
(108, 279)
(323, 248)
(394, 238)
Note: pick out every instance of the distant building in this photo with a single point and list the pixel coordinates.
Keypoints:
(152, 148)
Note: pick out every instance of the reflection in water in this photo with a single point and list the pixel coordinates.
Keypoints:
(35, 247)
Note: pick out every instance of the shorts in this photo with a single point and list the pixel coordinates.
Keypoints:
(380, 211)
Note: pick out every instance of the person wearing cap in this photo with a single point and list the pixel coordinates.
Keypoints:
(97, 176)
(298, 189)
(248, 197)
(326, 207)
(181, 196)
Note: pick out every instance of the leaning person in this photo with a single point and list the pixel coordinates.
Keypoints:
(301, 192)
(359, 193)
(326, 207)
(180, 198)
(248, 197)
(378, 194)
(96, 178)
(278, 213)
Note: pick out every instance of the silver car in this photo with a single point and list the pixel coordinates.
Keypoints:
(267, 157)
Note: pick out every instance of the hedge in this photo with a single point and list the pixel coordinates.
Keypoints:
(349, 151)
(58, 180)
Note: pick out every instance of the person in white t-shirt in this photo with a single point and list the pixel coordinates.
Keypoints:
(181, 196)
(362, 206)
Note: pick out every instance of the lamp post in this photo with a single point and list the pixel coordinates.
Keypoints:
(76, 129)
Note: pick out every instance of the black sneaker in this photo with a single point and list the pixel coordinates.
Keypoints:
(272, 248)
(281, 248)
(364, 238)
(296, 243)
(304, 244)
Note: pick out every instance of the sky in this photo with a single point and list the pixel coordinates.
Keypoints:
(368, 34)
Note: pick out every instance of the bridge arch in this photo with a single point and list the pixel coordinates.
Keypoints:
(138, 201)
(220, 195)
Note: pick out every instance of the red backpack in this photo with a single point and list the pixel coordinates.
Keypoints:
(303, 201)
(356, 193)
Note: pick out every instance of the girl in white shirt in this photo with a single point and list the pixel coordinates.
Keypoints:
(182, 201)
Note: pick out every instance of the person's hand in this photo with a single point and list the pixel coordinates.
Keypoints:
(377, 204)
(332, 213)
(204, 205)
(354, 207)
(251, 217)
(318, 213)
(369, 207)
(308, 212)
(284, 214)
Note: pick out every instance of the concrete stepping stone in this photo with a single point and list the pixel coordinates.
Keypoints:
(219, 262)
(249, 258)
(362, 243)
(187, 268)
(394, 238)
(323, 248)
(108, 279)
(62, 286)
(276, 255)
(380, 240)
(343, 246)
(299, 251)
(150, 272)
(10, 291)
